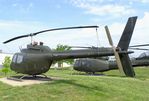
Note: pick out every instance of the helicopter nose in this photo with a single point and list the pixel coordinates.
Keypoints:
(76, 65)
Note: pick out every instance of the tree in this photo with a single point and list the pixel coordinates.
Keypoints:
(63, 48)
(6, 65)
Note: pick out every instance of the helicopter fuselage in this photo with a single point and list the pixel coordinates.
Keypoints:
(33, 61)
(37, 59)
(32, 64)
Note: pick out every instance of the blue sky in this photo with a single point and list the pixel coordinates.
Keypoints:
(19, 17)
(60, 10)
(70, 12)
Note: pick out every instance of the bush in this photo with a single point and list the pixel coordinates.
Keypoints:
(6, 65)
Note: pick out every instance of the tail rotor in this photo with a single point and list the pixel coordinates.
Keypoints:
(122, 59)
(118, 61)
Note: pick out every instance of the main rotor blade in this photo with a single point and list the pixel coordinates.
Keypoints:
(79, 47)
(139, 45)
(48, 30)
(18, 37)
(65, 28)
(115, 52)
(83, 47)
(139, 49)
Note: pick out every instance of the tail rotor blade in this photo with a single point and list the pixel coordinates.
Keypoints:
(109, 36)
(118, 61)
(115, 52)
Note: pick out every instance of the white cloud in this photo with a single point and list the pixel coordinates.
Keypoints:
(142, 30)
(140, 34)
(23, 8)
(110, 9)
(145, 1)
(142, 1)
(101, 8)
(10, 29)
(30, 5)
(15, 4)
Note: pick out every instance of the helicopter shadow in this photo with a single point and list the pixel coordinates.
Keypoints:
(88, 74)
(74, 83)
(97, 74)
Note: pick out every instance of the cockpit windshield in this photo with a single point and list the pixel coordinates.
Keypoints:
(17, 58)
(145, 54)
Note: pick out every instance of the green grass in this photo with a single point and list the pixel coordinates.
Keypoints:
(74, 86)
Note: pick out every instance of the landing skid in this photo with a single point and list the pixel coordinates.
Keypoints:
(41, 77)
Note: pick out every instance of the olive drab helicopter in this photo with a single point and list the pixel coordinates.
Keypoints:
(93, 65)
(102, 64)
(37, 59)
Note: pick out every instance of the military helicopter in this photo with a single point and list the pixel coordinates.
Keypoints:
(37, 59)
(143, 58)
(101, 64)
(92, 65)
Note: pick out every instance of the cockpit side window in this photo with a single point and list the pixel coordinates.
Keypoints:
(14, 58)
(19, 58)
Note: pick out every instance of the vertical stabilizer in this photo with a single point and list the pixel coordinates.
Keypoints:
(127, 33)
(124, 44)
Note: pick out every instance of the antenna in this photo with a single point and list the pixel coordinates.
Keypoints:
(31, 39)
(97, 35)
(20, 47)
